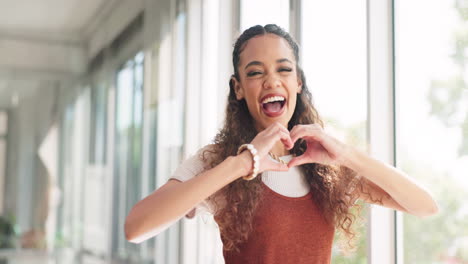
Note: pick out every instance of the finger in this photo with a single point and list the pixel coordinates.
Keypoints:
(294, 132)
(296, 127)
(277, 166)
(297, 132)
(286, 139)
(282, 135)
(297, 161)
(276, 127)
(302, 132)
(301, 127)
(282, 128)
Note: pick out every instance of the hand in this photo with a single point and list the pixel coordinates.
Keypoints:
(321, 147)
(264, 142)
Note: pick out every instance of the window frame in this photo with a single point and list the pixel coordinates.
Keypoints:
(384, 225)
(3, 171)
(382, 230)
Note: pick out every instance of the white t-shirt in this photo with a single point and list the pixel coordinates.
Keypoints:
(290, 183)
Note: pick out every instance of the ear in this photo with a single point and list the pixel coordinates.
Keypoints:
(234, 83)
(299, 86)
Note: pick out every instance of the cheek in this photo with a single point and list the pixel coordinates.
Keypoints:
(293, 83)
(252, 93)
(292, 99)
(292, 103)
(250, 99)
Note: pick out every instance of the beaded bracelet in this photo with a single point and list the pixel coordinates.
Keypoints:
(256, 160)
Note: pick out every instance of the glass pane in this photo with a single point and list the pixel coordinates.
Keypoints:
(2, 167)
(139, 57)
(99, 121)
(135, 178)
(3, 123)
(262, 12)
(334, 63)
(65, 219)
(123, 150)
(128, 168)
(431, 81)
(124, 97)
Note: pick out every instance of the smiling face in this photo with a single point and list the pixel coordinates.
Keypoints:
(268, 80)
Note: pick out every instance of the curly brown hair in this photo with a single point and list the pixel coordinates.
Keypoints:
(331, 185)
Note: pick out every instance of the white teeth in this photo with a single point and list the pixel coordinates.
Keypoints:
(273, 99)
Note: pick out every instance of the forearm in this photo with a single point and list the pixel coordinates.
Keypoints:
(402, 189)
(159, 210)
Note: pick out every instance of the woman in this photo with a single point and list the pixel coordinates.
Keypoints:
(279, 198)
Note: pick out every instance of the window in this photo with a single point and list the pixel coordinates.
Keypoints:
(432, 121)
(262, 12)
(3, 146)
(65, 219)
(98, 118)
(3, 123)
(73, 151)
(334, 62)
(128, 150)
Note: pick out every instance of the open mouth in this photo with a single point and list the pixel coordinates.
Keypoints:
(273, 106)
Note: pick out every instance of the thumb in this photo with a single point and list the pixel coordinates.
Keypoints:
(296, 161)
(278, 166)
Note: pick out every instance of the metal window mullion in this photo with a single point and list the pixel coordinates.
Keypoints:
(110, 163)
(189, 236)
(295, 19)
(399, 256)
(381, 121)
(3, 156)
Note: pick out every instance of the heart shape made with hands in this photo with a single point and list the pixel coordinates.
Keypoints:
(320, 148)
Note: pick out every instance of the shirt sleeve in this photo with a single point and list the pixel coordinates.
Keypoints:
(188, 169)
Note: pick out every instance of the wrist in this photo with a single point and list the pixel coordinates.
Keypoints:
(351, 158)
(244, 163)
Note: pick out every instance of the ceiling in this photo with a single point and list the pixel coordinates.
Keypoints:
(44, 21)
(53, 16)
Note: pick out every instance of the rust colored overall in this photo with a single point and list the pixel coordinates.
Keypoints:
(286, 230)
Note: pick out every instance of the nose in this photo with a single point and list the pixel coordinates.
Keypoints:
(271, 81)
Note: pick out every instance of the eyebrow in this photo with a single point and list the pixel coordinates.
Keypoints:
(260, 63)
